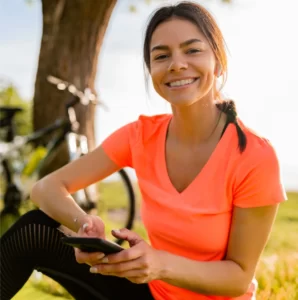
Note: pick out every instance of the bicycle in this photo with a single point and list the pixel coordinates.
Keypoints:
(18, 170)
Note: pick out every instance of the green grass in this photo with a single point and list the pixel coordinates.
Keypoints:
(284, 235)
(277, 272)
(46, 289)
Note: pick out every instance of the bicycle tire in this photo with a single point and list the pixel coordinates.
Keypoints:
(11, 197)
(88, 198)
(131, 196)
(130, 202)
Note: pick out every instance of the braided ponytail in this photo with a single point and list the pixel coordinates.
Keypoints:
(229, 108)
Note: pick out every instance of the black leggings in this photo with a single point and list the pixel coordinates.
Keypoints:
(33, 242)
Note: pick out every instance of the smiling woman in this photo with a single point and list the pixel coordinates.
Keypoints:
(210, 187)
(194, 56)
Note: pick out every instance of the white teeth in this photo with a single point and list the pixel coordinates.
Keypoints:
(182, 82)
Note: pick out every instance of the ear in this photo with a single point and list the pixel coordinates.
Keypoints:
(218, 70)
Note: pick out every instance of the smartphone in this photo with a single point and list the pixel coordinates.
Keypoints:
(87, 244)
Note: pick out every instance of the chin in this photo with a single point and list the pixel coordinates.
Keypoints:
(181, 102)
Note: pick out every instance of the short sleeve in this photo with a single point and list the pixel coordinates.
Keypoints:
(118, 145)
(258, 180)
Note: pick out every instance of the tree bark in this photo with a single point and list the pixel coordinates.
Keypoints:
(73, 32)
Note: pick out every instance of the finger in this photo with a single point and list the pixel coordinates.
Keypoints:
(125, 255)
(128, 235)
(135, 276)
(89, 229)
(119, 269)
(85, 228)
(88, 258)
(137, 279)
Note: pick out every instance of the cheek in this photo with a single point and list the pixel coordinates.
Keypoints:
(155, 73)
(156, 77)
(205, 63)
(208, 69)
(207, 66)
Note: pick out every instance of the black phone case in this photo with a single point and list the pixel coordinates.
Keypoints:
(92, 244)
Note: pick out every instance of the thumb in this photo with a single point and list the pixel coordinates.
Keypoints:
(128, 235)
(86, 226)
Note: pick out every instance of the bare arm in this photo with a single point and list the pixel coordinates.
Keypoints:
(52, 193)
(231, 277)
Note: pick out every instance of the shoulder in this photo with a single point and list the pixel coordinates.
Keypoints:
(257, 172)
(140, 130)
(147, 127)
(153, 121)
(126, 141)
(258, 145)
(260, 155)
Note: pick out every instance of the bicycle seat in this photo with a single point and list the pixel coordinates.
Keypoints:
(10, 111)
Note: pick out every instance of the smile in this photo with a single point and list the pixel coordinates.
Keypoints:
(182, 83)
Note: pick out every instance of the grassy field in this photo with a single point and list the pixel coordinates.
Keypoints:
(277, 272)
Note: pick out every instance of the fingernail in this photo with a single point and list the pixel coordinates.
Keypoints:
(117, 230)
(105, 260)
(85, 226)
(100, 256)
(93, 270)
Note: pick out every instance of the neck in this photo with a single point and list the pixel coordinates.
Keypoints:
(195, 124)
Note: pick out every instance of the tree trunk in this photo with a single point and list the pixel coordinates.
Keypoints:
(73, 32)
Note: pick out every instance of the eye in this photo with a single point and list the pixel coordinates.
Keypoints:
(160, 57)
(191, 51)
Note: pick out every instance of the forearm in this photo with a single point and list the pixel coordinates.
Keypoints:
(222, 278)
(53, 199)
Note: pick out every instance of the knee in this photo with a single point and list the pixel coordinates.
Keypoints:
(32, 217)
(37, 216)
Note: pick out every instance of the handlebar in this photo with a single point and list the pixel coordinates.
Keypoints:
(84, 98)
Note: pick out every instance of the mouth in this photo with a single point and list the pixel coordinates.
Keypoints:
(182, 83)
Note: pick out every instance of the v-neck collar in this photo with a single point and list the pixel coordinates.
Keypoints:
(208, 165)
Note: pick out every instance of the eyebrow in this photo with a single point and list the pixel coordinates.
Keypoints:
(186, 43)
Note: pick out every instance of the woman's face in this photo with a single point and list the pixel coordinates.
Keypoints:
(183, 65)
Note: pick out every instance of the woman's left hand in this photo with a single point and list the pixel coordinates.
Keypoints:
(139, 264)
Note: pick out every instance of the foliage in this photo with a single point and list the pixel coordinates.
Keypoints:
(9, 96)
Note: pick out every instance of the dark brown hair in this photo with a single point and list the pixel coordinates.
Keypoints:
(200, 17)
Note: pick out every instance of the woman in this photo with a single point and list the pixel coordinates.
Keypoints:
(211, 187)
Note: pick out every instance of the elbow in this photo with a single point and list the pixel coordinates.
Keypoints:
(238, 292)
(38, 190)
(241, 288)
(35, 192)
(241, 283)
(238, 286)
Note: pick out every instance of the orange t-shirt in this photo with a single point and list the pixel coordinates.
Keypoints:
(196, 222)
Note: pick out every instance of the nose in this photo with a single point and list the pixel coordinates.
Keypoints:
(177, 63)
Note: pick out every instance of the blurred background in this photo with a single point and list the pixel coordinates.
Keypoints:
(262, 77)
(98, 44)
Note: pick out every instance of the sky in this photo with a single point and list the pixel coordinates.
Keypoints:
(263, 66)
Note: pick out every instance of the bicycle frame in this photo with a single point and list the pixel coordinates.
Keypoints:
(35, 137)
(77, 144)
(64, 129)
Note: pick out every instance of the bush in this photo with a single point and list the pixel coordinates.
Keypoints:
(9, 96)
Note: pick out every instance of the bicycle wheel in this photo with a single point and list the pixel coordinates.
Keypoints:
(116, 201)
(113, 199)
(11, 197)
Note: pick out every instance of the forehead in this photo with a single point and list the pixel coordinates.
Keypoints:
(175, 31)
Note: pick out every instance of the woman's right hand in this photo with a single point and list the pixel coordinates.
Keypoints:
(92, 226)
